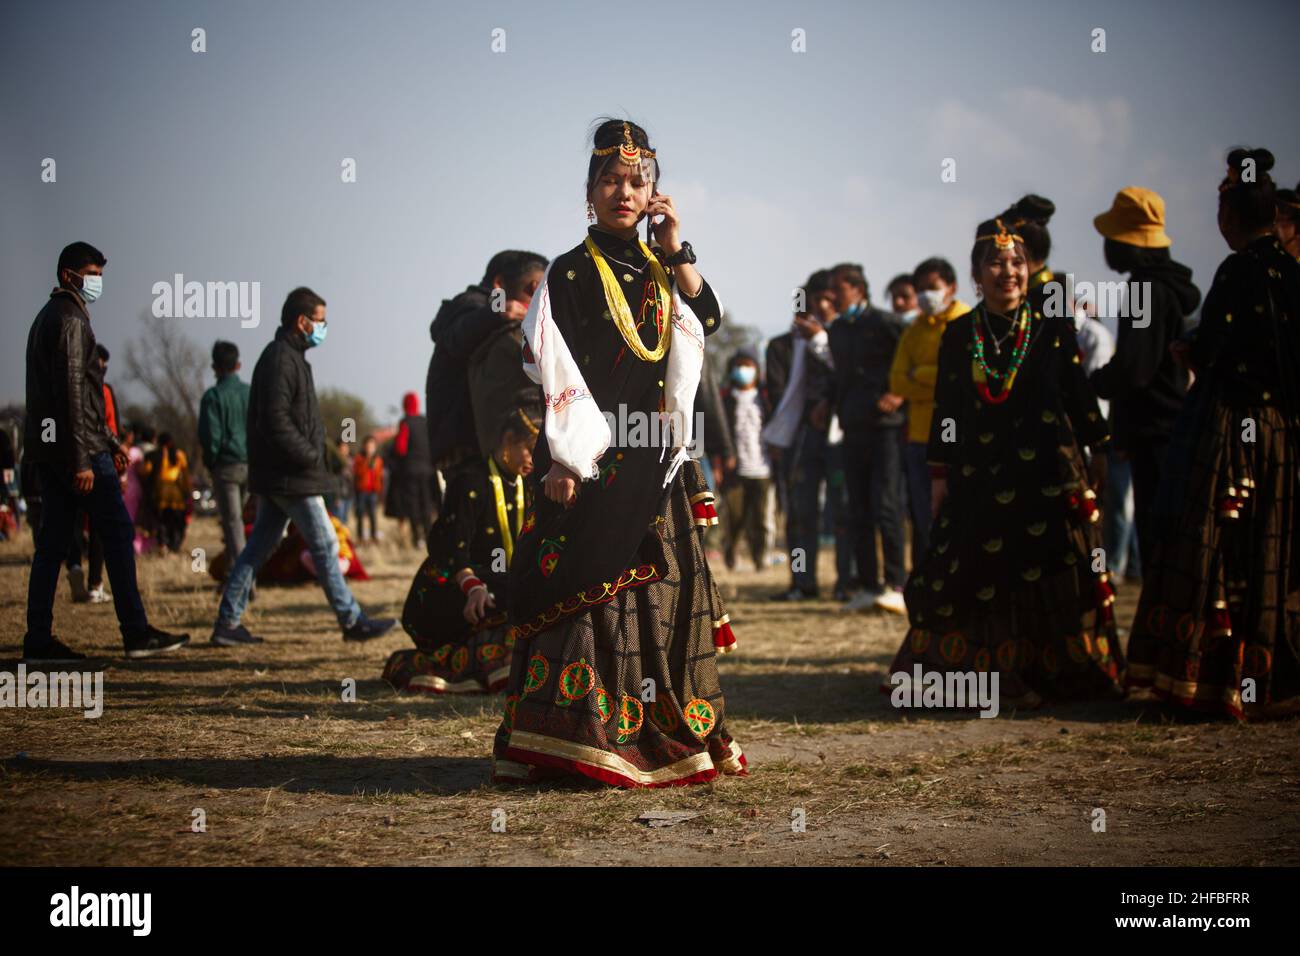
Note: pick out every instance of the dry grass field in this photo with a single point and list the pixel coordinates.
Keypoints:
(285, 772)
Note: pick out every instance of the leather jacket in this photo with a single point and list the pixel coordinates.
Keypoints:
(65, 387)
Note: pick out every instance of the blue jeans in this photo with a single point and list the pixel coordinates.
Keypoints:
(917, 470)
(1119, 528)
(108, 519)
(274, 512)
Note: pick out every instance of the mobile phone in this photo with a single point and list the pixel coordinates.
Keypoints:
(649, 219)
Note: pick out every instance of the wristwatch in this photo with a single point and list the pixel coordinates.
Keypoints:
(683, 256)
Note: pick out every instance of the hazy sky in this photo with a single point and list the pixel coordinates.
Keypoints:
(225, 165)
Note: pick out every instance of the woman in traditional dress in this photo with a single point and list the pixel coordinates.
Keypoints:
(1218, 623)
(455, 611)
(1011, 582)
(617, 619)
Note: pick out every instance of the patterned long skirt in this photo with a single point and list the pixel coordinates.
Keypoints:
(1052, 637)
(1218, 623)
(623, 686)
(476, 663)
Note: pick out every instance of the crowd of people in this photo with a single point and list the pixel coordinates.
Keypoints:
(992, 472)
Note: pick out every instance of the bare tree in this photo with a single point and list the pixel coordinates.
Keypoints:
(172, 369)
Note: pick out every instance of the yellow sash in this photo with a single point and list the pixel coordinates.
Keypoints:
(618, 307)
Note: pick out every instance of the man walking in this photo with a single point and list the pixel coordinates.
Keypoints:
(77, 461)
(286, 470)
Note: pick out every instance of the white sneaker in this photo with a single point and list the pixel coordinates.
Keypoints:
(99, 596)
(861, 601)
(77, 581)
(892, 601)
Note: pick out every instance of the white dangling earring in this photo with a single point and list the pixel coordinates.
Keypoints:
(591, 212)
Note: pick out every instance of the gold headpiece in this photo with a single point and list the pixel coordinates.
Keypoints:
(628, 152)
(1002, 238)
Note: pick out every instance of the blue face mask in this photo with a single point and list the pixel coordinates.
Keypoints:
(317, 334)
(744, 374)
(92, 287)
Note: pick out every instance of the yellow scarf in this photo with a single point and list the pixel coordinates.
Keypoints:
(498, 491)
(622, 315)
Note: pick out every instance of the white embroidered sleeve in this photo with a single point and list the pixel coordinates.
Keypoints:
(576, 430)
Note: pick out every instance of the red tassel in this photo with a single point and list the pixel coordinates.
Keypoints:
(723, 639)
(1106, 600)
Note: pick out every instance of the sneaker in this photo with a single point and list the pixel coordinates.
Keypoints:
(794, 594)
(153, 642)
(840, 594)
(863, 600)
(891, 600)
(77, 581)
(99, 596)
(233, 636)
(51, 651)
(368, 628)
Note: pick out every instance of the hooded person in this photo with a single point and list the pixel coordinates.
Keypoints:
(499, 389)
(413, 472)
(1144, 383)
(463, 324)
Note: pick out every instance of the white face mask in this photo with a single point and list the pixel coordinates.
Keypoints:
(92, 287)
(930, 301)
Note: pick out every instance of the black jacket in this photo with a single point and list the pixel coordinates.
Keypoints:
(862, 349)
(64, 385)
(777, 363)
(1145, 385)
(499, 387)
(460, 327)
(286, 438)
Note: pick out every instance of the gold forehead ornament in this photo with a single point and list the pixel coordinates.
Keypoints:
(1002, 239)
(628, 152)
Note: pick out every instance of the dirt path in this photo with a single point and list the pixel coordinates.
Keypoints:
(285, 772)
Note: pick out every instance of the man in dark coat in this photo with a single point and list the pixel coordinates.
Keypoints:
(78, 462)
(463, 324)
(500, 389)
(862, 343)
(286, 470)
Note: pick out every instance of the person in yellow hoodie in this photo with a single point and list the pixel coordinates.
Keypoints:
(916, 365)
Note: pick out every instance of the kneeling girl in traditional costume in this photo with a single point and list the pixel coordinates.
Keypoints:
(455, 611)
(617, 619)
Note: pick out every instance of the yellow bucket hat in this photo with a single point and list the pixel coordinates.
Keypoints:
(1137, 216)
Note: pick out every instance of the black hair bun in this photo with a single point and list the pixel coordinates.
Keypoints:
(609, 132)
(1263, 159)
(1032, 208)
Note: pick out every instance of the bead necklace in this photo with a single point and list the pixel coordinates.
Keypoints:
(982, 372)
